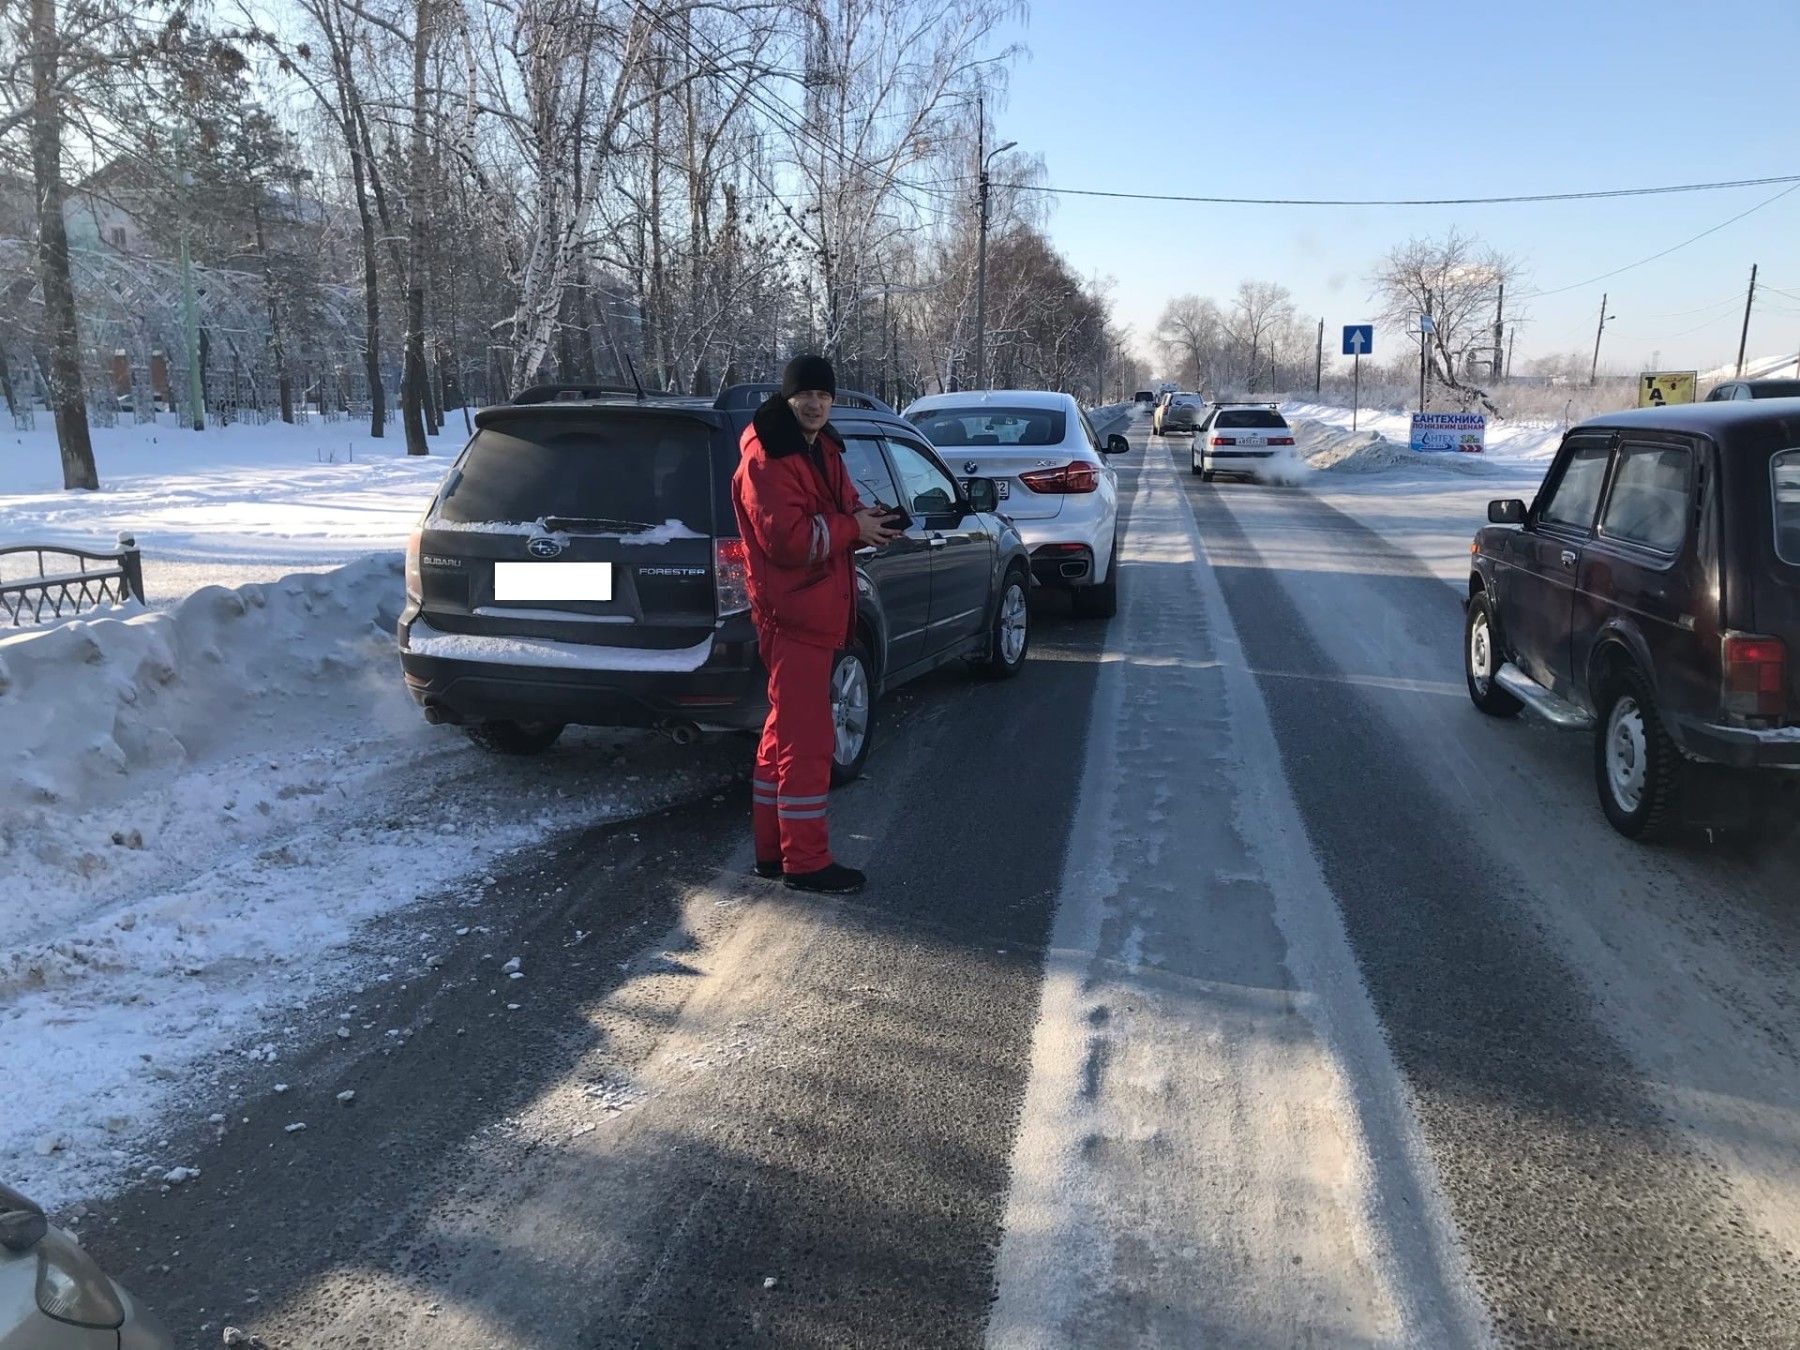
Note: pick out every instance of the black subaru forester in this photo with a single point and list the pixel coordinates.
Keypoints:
(580, 564)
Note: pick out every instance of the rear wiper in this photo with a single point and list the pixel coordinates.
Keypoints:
(578, 523)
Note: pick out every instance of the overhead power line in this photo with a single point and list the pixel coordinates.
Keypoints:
(1692, 239)
(1407, 201)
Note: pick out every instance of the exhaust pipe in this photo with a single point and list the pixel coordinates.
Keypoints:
(1074, 570)
(438, 715)
(682, 733)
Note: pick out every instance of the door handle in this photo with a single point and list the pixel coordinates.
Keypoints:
(936, 540)
(1568, 560)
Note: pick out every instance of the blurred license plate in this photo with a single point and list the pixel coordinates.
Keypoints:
(1002, 489)
(1251, 440)
(518, 581)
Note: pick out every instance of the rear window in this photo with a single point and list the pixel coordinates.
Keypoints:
(1775, 389)
(1186, 401)
(992, 426)
(1250, 417)
(617, 472)
(1786, 469)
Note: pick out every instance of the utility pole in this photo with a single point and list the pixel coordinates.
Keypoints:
(1594, 370)
(1744, 337)
(981, 250)
(1499, 327)
(1424, 332)
(1511, 338)
(1319, 362)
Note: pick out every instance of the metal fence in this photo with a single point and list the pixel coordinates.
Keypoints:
(83, 580)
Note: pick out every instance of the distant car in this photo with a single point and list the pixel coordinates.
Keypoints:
(1741, 389)
(1143, 396)
(1181, 412)
(1241, 439)
(1651, 593)
(1055, 483)
(581, 564)
(53, 1296)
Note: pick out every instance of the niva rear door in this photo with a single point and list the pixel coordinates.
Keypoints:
(581, 524)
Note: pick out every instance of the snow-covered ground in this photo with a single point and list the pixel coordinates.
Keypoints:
(201, 809)
(1431, 504)
(226, 505)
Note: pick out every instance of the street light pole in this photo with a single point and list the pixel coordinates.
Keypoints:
(981, 247)
(1594, 370)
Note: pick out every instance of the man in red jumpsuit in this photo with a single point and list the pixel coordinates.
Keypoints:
(801, 520)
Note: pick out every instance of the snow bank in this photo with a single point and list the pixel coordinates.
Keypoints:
(201, 812)
(92, 703)
(1509, 440)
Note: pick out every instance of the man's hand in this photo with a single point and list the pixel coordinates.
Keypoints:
(873, 528)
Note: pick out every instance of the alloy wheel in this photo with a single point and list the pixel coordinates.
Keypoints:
(849, 708)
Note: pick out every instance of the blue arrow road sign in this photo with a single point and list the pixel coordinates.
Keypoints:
(1359, 339)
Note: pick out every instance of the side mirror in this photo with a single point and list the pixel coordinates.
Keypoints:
(1508, 512)
(1117, 445)
(22, 1224)
(983, 497)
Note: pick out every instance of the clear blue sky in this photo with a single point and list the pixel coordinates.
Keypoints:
(1410, 98)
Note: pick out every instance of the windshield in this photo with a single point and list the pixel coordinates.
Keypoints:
(1786, 470)
(992, 426)
(617, 473)
(1250, 417)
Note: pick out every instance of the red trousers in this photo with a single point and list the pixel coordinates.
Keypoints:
(793, 763)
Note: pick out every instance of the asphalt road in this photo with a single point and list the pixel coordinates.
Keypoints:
(709, 1113)
(1602, 1041)
(716, 1115)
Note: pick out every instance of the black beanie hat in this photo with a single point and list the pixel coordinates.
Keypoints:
(808, 372)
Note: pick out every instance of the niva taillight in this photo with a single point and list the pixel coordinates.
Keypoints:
(1755, 676)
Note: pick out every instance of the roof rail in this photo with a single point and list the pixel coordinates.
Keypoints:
(740, 396)
(575, 393)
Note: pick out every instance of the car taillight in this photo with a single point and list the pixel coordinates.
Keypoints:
(1755, 675)
(731, 576)
(415, 577)
(1281, 440)
(1077, 477)
(1224, 440)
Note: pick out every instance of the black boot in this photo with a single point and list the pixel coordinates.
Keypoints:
(769, 871)
(833, 879)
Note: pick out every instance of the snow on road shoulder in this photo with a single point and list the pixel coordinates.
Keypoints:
(1430, 505)
(199, 811)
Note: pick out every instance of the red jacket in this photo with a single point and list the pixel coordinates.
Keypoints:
(799, 529)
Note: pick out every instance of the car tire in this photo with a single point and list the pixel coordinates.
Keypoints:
(1006, 659)
(1195, 459)
(1101, 600)
(1638, 768)
(1207, 475)
(514, 738)
(852, 692)
(1481, 661)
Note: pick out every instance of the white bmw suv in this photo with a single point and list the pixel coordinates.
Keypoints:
(1051, 471)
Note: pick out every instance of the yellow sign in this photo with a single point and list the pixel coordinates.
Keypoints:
(1659, 388)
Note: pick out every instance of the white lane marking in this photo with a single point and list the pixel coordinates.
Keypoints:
(1215, 1145)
